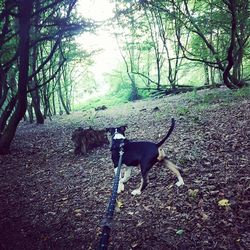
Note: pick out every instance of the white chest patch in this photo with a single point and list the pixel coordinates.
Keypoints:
(118, 136)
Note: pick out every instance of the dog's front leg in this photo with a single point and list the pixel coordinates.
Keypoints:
(138, 190)
(121, 185)
(127, 174)
(144, 183)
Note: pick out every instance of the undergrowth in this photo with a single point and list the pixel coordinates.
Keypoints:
(201, 99)
(116, 98)
(217, 96)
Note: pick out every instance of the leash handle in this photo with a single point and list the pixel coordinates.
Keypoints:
(103, 245)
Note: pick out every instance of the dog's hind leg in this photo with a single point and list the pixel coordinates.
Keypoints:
(175, 170)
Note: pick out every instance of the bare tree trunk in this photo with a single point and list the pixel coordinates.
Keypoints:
(155, 43)
(53, 103)
(206, 71)
(61, 99)
(230, 80)
(3, 87)
(34, 84)
(30, 111)
(7, 112)
(25, 9)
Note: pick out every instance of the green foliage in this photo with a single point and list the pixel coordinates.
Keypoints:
(242, 93)
(191, 74)
(216, 96)
(116, 98)
(182, 111)
(144, 93)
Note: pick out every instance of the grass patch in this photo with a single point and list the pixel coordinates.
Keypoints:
(108, 100)
(203, 100)
(242, 93)
(217, 96)
(116, 98)
(182, 111)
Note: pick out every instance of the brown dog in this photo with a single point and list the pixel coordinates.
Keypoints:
(87, 139)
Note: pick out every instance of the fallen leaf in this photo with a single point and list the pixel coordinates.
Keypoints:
(134, 245)
(147, 208)
(119, 205)
(224, 203)
(140, 223)
(204, 216)
(180, 232)
(193, 193)
(78, 210)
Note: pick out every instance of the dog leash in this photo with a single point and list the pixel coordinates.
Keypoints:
(107, 221)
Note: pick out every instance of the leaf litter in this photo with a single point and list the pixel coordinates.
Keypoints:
(52, 199)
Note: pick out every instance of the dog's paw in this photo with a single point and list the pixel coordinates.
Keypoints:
(120, 188)
(136, 192)
(179, 183)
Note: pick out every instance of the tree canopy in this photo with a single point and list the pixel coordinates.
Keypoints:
(164, 45)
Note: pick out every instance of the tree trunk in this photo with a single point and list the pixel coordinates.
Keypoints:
(36, 105)
(61, 97)
(25, 9)
(53, 103)
(34, 84)
(212, 74)
(67, 89)
(206, 71)
(7, 112)
(60, 91)
(227, 78)
(30, 111)
(134, 90)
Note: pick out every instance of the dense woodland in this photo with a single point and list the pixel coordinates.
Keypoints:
(181, 59)
(160, 42)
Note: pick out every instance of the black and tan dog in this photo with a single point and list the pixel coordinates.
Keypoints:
(140, 153)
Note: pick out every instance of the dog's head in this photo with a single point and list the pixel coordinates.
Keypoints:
(88, 139)
(117, 132)
(76, 135)
(95, 138)
(102, 137)
(117, 136)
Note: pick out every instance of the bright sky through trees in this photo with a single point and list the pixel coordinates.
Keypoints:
(98, 10)
(107, 59)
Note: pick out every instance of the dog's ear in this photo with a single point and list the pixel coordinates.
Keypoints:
(123, 128)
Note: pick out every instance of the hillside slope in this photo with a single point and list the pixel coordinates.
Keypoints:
(51, 199)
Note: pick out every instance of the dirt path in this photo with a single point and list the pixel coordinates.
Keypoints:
(51, 199)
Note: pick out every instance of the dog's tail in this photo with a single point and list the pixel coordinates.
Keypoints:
(168, 134)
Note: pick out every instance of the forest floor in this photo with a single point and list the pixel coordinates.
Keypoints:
(52, 199)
